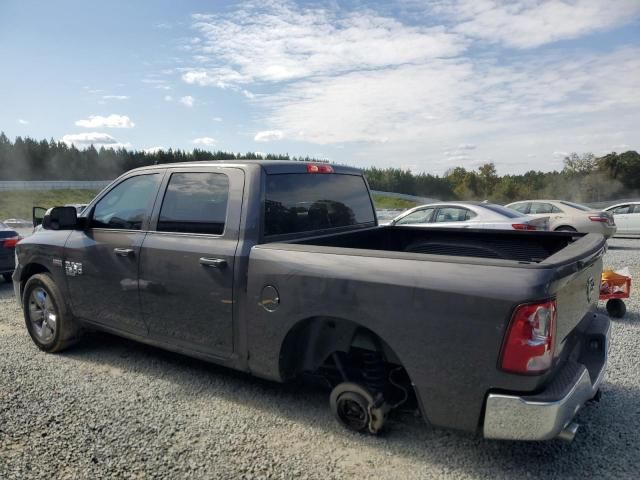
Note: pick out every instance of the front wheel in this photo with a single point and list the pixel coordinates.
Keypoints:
(47, 318)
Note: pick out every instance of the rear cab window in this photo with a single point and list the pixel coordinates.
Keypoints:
(310, 202)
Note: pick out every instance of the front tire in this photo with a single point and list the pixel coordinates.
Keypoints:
(48, 320)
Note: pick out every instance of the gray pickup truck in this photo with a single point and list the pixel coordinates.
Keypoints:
(280, 269)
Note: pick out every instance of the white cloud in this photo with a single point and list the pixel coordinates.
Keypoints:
(531, 23)
(216, 119)
(467, 146)
(387, 89)
(152, 149)
(96, 139)
(23, 122)
(111, 121)
(268, 136)
(115, 97)
(168, 98)
(89, 138)
(187, 101)
(278, 41)
(204, 141)
(468, 98)
(159, 83)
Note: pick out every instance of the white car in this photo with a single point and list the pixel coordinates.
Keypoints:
(469, 215)
(568, 216)
(627, 216)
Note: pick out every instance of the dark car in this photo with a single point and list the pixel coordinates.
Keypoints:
(8, 240)
(280, 269)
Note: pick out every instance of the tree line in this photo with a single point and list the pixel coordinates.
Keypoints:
(584, 178)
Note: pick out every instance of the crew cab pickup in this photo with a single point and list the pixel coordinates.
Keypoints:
(280, 269)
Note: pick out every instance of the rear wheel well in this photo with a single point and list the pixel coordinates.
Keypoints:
(329, 351)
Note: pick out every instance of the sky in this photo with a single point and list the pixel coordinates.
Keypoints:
(420, 85)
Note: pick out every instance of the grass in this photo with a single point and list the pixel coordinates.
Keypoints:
(18, 203)
(382, 202)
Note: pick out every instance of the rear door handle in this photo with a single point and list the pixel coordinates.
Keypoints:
(213, 262)
(123, 252)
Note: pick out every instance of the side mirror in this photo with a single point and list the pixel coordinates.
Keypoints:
(37, 215)
(60, 218)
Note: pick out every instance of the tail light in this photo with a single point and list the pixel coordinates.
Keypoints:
(528, 347)
(11, 242)
(598, 218)
(314, 168)
(523, 226)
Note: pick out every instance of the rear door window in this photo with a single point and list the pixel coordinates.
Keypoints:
(195, 203)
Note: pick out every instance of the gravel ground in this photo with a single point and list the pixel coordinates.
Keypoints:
(111, 407)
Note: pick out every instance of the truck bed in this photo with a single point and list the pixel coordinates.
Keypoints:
(523, 247)
(448, 294)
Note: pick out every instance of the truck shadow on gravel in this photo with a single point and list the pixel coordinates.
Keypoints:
(605, 445)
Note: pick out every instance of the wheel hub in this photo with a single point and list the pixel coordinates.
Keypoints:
(42, 315)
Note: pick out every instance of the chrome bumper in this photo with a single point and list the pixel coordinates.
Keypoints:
(543, 416)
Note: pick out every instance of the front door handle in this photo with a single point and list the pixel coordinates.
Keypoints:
(213, 262)
(123, 252)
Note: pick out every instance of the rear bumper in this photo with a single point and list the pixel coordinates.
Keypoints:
(544, 415)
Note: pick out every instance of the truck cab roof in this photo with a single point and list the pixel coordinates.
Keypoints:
(270, 166)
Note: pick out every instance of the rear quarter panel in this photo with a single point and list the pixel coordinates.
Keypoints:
(444, 321)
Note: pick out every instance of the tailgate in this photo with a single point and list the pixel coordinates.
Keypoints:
(576, 287)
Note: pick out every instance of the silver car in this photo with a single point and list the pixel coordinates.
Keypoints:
(627, 217)
(469, 215)
(568, 216)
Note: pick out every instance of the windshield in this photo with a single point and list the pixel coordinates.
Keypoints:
(504, 211)
(577, 206)
(303, 202)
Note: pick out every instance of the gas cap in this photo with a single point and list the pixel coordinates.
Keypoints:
(270, 298)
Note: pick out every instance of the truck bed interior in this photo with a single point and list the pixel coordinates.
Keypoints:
(531, 247)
